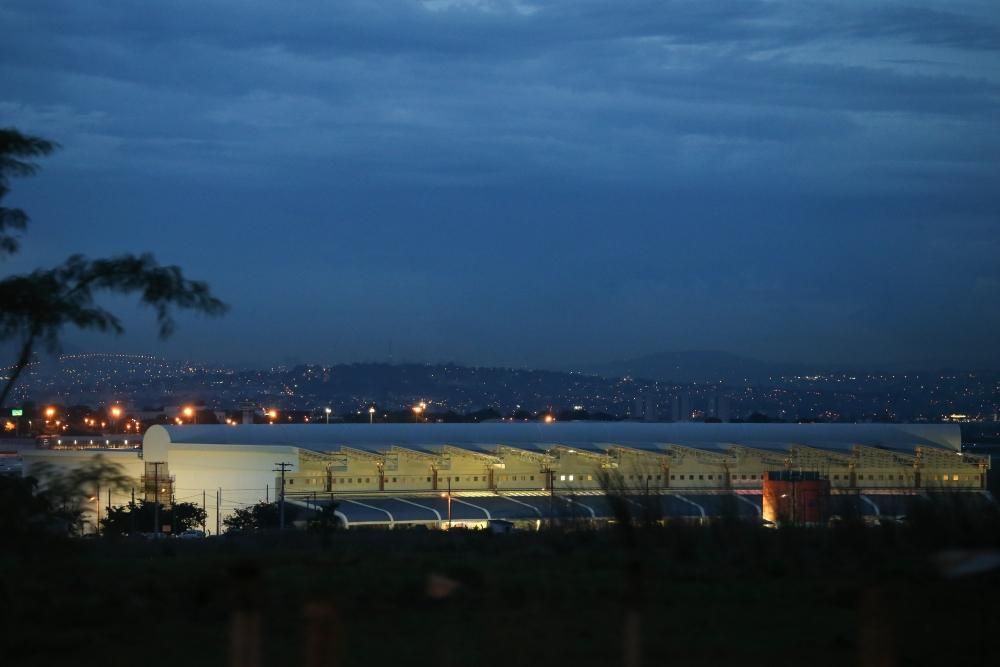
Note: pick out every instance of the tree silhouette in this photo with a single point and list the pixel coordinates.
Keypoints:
(36, 307)
(15, 151)
(69, 491)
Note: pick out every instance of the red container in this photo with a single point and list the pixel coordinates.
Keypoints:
(788, 500)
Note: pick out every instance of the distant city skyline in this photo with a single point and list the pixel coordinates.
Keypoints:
(529, 184)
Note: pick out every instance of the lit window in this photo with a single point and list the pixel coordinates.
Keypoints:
(562, 478)
(954, 478)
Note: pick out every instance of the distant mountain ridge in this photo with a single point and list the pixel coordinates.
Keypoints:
(695, 366)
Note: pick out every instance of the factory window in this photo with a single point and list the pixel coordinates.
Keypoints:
(672, 477)
(871, 477)
(456, 479)
(590, 478)
(881, 476)
(291, 481)
(428, 479)
(690, 476)
(393, 479)
(657, 478)
(700, 477)
(571, 478)
(475, 479)
(743, 476)
(710, 477)
(753, 476)
(532, 478)
(954, 478)
(836, 477)
(562, 478)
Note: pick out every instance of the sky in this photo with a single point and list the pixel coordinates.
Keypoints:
(548, 184)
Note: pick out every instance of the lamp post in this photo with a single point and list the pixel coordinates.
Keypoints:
(116, 412)
(448, 496)
(189, 414)
(371, 415)
(417, 409)
(327, 411)
(96, 498)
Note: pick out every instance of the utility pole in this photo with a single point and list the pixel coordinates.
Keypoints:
(218, 511)
(282, 467)
(156, 504)
(204, 508)
(449, 503)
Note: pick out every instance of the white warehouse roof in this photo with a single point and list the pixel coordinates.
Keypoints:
(582, 435)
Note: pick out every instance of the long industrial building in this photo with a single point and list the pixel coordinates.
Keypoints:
(393, 474)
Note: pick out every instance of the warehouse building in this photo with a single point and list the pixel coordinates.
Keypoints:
(390, 474)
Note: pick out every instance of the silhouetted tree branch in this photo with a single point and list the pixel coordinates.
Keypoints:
(36, 307)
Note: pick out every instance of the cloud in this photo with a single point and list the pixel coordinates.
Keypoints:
(791, 145)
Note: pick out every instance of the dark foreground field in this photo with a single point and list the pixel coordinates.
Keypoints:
(726, 594)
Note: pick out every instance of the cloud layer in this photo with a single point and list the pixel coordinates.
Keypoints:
(531, 182)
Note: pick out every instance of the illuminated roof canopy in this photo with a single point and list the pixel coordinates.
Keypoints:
(581, 435)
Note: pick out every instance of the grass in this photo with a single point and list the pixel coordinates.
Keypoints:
(724, 593)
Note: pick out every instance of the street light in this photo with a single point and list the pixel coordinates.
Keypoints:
(116, 412)
(417, 409)
(189, 413)
(96, 499)
(327, 411)
(448, 496)
(371, 415)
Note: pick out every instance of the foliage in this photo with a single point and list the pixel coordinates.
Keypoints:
(141, 517)
(36, 307)
(68, 492)
(259, 517)
(14, 149)
(24, 511)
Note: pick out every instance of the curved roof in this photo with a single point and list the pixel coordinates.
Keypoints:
(582, 435)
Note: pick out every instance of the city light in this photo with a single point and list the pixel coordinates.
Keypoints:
(116, 412)
(549, 419)
(188, 411)
(50, 413)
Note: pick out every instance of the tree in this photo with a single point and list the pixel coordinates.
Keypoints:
(68, 492)
(257, 518)
(24, 510)
(140, 517)
(36, 307)
(15, 150)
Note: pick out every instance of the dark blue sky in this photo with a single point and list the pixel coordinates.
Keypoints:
(527, 183)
